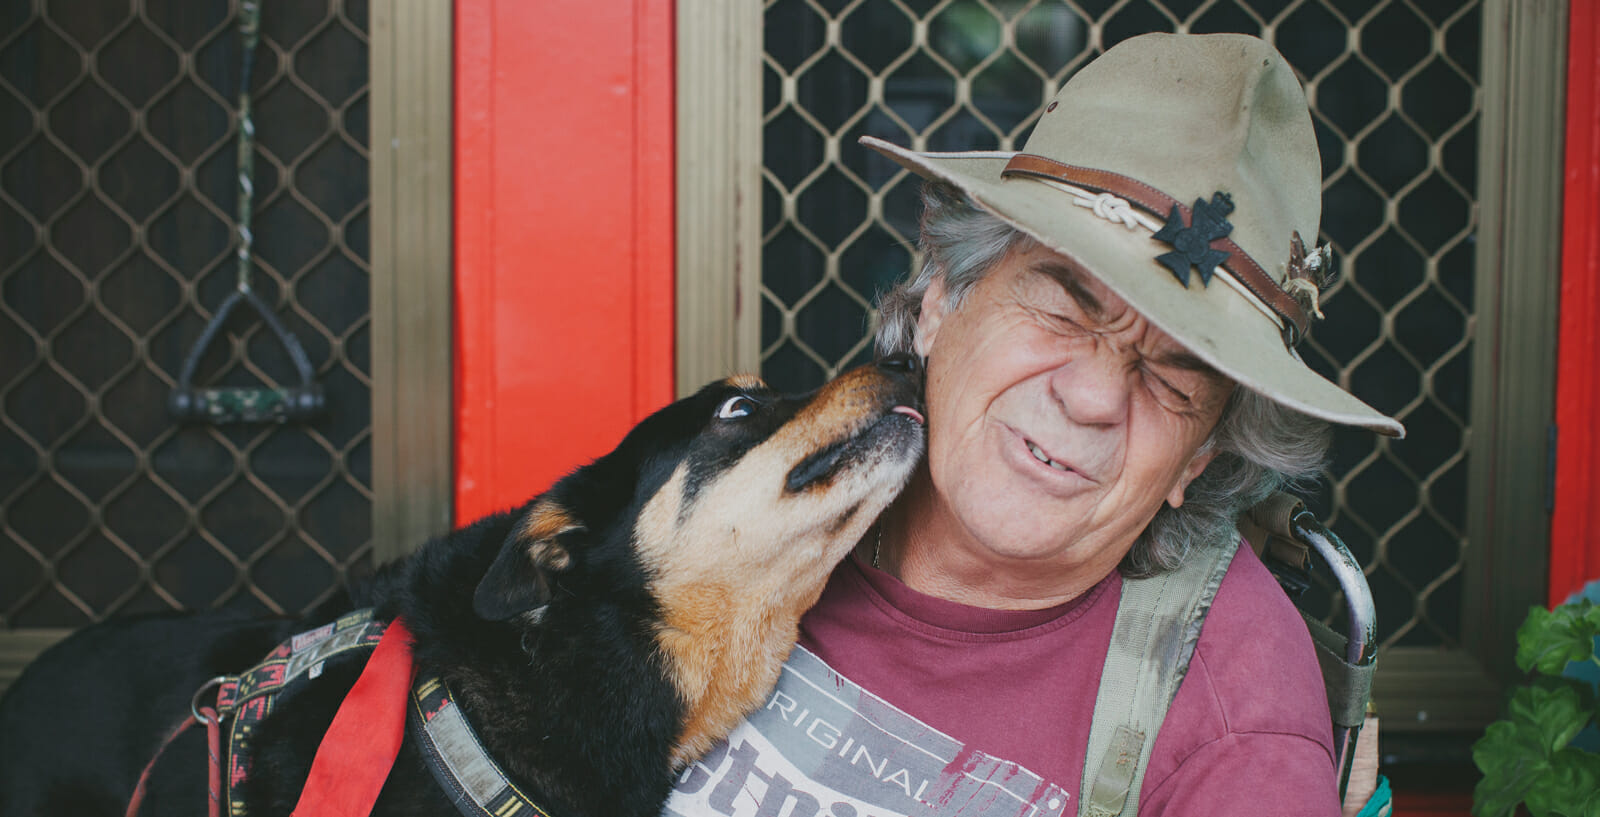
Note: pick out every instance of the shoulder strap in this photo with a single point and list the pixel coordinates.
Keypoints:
(1158, 624)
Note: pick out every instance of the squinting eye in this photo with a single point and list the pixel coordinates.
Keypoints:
(736, 407)
(1166, 392)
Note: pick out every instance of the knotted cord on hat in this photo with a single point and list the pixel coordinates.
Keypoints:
(1110, 208)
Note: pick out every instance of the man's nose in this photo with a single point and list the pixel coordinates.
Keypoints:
(1094, 388)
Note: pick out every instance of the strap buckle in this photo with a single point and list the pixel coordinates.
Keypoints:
(195, 707)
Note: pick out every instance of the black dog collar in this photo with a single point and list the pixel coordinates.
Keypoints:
(460, 764)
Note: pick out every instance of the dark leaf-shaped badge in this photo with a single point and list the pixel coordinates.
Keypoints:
(1192, 244)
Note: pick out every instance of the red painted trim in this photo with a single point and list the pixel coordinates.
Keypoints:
(564, 236)
(474, 240)
(655, 227)
(1575, 526)
(1433, 803)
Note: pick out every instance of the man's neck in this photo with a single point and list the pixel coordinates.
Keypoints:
(927, 547)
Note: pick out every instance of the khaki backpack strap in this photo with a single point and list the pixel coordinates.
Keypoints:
(1158, 625)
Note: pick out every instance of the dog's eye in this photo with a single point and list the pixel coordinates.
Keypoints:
(736, 407)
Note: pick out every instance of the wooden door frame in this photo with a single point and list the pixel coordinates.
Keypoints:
(1507, 558)
(719, 114)
(411, 54)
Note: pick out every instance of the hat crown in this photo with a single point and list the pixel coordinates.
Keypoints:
(1191, 116)
(1188, 117)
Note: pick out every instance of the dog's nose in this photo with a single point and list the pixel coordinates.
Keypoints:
(901, 363)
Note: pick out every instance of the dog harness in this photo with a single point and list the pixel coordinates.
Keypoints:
(251, 696)
(454, 755)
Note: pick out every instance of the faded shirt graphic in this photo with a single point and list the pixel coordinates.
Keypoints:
(823, 747)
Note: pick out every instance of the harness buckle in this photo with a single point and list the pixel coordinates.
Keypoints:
(194, 702)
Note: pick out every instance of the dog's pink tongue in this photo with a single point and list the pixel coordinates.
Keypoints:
(912, 413)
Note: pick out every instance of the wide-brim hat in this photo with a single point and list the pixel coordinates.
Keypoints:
(1182, 171)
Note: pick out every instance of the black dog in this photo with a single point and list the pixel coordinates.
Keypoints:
(597, 639)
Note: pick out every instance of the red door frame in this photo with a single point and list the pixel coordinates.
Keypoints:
(1574, 535)
(563, 236)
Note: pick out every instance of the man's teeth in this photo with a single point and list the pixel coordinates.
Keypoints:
(1039, 455)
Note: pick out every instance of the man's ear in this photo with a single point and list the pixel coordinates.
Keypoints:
(930, 317)
(1190, 471)
(519, 580)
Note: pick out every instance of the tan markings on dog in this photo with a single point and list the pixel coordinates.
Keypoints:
(658, 519)
(736, 573)
(543, 524)
(747, 382)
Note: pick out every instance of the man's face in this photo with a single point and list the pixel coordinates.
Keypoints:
(1059, 419)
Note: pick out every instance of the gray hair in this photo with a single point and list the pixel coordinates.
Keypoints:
(1259, 445)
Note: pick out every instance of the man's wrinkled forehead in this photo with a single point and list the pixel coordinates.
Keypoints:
(1100, 304)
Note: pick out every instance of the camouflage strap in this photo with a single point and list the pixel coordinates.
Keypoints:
(1158, 624)
(475, 783)
(226, 404)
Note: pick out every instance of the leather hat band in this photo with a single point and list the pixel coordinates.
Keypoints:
(1244, 269)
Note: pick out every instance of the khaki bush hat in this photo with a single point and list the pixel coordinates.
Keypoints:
(1182, 171)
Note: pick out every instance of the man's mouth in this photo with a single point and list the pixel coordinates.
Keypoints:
(1038, 454)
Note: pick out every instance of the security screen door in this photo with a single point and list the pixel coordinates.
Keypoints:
(117, 200)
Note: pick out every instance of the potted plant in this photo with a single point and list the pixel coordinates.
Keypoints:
(1530, 758)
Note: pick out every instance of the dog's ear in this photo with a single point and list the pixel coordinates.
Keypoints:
(519, 580)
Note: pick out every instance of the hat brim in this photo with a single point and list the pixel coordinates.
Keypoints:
(1216, 323)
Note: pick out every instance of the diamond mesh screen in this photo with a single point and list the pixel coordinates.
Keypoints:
(1393, 88)
(117, 189)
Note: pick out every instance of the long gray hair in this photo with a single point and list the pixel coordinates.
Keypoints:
(1260, 446)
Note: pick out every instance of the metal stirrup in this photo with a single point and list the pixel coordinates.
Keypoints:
(218, 405)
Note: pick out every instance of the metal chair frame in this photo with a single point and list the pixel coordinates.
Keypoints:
(1347, 658)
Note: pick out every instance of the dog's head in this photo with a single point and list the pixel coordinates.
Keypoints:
(716, 522)
(734, 486)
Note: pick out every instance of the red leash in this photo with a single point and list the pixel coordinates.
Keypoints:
(356, 753)
(213, 747)
(359, 748)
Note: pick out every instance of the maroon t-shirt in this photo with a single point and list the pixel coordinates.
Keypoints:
(901, 703)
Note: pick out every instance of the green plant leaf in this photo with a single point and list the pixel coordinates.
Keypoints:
(1552, 715)
(1570, 786)
(1549, 639)
(1590, 613)
(1513, 759)
(1527, 758)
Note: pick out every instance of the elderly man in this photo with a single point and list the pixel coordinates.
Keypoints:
(1108, 322)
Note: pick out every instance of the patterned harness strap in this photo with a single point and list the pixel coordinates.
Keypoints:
(449, 747)
(251, 696)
